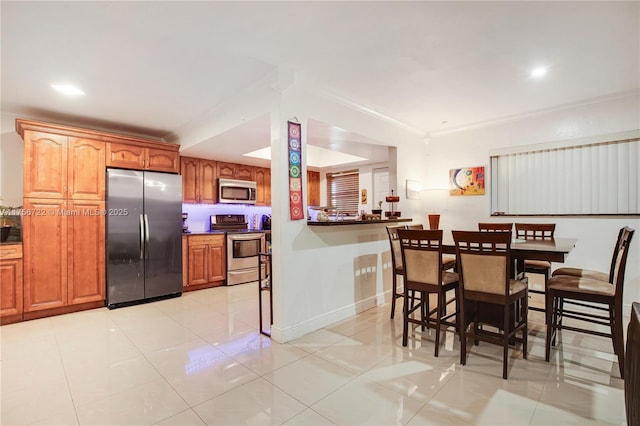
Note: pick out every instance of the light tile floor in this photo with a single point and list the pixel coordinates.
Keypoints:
(199, 359)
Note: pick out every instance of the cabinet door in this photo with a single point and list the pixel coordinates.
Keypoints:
(216, 262)
(189, 168)
(44, 243)
(10, 287)
(208, 182)
(126, 156)
(313, 188)
(263, 181)
(226, 170)
(86, 160)
(86, 252)
(244, 172)
(45, 165)
(198, 264)
(162, 160)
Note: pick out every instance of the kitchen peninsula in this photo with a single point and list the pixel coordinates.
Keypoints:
(355, 222)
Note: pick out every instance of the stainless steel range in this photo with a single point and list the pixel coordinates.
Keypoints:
(243, 247)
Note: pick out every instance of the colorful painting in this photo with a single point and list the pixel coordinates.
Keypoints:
(466, 181)
(295, 167)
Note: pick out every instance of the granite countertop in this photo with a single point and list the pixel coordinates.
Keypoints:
(356, 222)
(4, 243)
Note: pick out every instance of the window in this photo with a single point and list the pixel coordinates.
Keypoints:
(578, 179)
(343, 190)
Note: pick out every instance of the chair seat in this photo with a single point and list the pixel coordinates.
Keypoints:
(516, 286)
(581, 285)
(579, 272)
(537, 264)
(449, 278)
(448, 262)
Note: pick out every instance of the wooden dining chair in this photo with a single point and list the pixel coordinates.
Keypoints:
(485, 271)
(448, 260)
(422, 259)
(590, 294)
(494, 227)
(398, 268)
(536, 231)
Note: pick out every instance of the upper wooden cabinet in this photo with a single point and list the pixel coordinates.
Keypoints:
(263, 181)
(198, 180)
(140, 157)
(235, 171)
(59, 166)
(313, 188)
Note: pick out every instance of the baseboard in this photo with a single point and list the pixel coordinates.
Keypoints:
(295, 331)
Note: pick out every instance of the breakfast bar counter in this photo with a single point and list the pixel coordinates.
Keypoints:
(356, 222)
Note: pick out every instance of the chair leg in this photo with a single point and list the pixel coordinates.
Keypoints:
(505, 341)
(405, 318)
(394, 293)
(617, 337)
(463, 334)
(438, 318)
(525, 330)
(549, 302)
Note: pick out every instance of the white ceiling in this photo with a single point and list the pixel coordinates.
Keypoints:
(152, 68)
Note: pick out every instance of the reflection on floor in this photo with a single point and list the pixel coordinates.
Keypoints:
(199, 360)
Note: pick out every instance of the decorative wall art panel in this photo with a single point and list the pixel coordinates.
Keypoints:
(466, 181)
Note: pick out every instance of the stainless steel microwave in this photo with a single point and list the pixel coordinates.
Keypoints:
(232, 191)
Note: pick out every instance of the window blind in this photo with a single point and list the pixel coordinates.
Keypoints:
(343, 191)
(597, 178)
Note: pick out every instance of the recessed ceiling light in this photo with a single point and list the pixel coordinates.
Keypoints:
(67, 89)
(538, 72)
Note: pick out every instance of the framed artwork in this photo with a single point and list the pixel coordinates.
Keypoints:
(466, 181)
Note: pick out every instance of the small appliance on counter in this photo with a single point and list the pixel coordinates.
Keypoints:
(266, 222)
(185, 227)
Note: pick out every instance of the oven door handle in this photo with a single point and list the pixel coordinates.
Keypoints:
(245, 237)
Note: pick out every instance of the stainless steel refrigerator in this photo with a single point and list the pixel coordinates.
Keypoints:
(144, 236)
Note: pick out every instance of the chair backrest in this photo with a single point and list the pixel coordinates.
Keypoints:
(619, 263)
(535, 230)
(484, 259)
(494, 227)
(416, 226)
(394, 241)
(421, 255)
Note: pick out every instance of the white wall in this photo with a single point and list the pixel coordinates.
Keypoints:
(596, 235)
(323, 275)
(11, 154)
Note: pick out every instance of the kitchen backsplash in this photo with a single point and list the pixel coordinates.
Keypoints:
(198, 220)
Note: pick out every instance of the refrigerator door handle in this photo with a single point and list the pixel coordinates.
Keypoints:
(141, 238)
(146, 232)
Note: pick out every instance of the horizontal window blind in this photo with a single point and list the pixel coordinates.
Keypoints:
(343, 190)
(598, 178)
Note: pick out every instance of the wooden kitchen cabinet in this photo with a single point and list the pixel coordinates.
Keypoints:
(44, 246)
(263, 181)
(10, 283)
(58, 166)
(313, 188)
(235, 171)
(198, 180)
(86, 252)
(141, 156)
(205, 261)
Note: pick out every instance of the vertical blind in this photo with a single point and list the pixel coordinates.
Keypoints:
(343, 189)
(599, 178)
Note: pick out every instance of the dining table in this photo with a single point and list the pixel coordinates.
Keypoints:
(547, 249)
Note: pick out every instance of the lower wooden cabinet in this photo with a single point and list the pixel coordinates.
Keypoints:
(205, 261)
(64, 253)
(10, 283)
